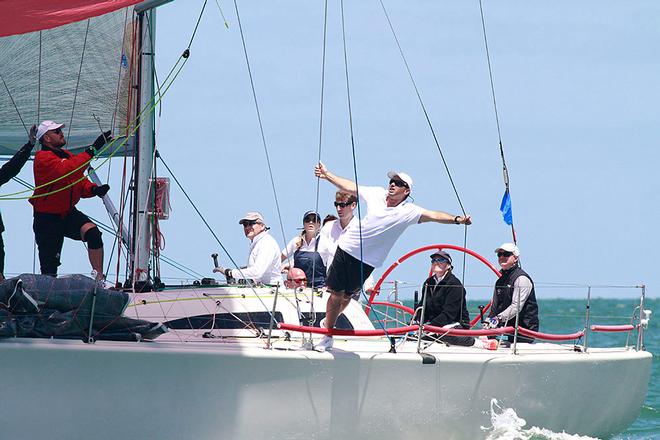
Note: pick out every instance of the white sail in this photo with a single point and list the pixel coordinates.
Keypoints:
(70, 74)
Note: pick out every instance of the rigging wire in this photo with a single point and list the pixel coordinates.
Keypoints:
(355, 173)
(75, 94)
(318, 179)
(505, 170)
(261, 127)
(423, 106)
(432, 129)
(222, 14)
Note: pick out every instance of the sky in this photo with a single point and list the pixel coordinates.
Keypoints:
(576, 85)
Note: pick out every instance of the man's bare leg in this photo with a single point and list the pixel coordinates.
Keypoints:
(96, 260)
(336, 304)
(95, 255)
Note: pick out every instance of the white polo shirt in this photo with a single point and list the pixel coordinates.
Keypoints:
(330, 234)
(381, 226)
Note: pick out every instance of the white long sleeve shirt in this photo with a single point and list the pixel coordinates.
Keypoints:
(263, 262)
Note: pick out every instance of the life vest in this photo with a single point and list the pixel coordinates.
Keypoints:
(312, 264)
(503, 297)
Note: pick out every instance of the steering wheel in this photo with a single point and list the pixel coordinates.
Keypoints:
(376, 290)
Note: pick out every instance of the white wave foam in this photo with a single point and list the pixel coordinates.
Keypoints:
(506, 425)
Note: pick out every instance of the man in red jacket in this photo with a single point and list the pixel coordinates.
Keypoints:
(59, 184)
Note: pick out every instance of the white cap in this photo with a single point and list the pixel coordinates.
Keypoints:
(47, 126)
(403, 176)
(509, 247)
(251, 216)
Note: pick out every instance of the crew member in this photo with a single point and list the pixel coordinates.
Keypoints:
(59, 185)
(264, 259)
(365, 245)
(514, 294)
(9, 170)
(444, 296)
(305, 250)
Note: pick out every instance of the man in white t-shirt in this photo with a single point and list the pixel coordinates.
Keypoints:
(364, 245)
(345, 204)
(264, 259)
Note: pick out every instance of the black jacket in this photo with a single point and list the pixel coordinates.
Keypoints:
(446, 302)
(12, 167)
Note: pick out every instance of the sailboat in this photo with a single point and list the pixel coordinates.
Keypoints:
(236, 362)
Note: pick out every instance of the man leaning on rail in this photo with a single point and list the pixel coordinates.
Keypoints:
(8, 171)
(514, 291)
(60, 183)
(365, 245)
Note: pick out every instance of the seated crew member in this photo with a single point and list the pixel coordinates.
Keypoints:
(445, 300)
(295, 278)
(514, 291)
(8, 171)
(364, 246)
(305, 250)
(59, 185)
(264, 259)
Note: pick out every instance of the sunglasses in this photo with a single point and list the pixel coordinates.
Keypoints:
(342, 204)
(439, 260)
(250, 223)
(504, 254)
(398, 182)
(311, 219)
(57, 130)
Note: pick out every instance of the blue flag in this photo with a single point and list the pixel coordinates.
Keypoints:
(505, 208)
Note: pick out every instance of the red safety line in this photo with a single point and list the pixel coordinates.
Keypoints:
(342, 332)
(432, 329)
(613, 328)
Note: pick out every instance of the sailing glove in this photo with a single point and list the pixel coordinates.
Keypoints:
(32, 136)
(101, 140)
(101, 190)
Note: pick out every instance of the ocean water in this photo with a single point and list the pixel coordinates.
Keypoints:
(567, 315)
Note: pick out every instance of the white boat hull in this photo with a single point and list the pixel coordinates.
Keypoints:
(228, 389)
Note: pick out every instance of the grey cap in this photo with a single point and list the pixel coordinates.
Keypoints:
(251, 216)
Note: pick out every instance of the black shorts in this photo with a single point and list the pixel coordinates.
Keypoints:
(49, 233)
(347, 274)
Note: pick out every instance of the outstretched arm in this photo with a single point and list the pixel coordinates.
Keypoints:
(342, 183)
(443, 217)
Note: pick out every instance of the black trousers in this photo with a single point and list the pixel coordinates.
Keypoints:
(49, 232)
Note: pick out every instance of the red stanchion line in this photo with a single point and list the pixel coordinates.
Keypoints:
(376, 290)
(465, 332)
(432, 329)
(550, 336)
(342, 332)
(613, 328)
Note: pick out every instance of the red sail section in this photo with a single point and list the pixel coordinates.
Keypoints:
(22, 16)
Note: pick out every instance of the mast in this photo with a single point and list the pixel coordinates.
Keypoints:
(144, 154)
